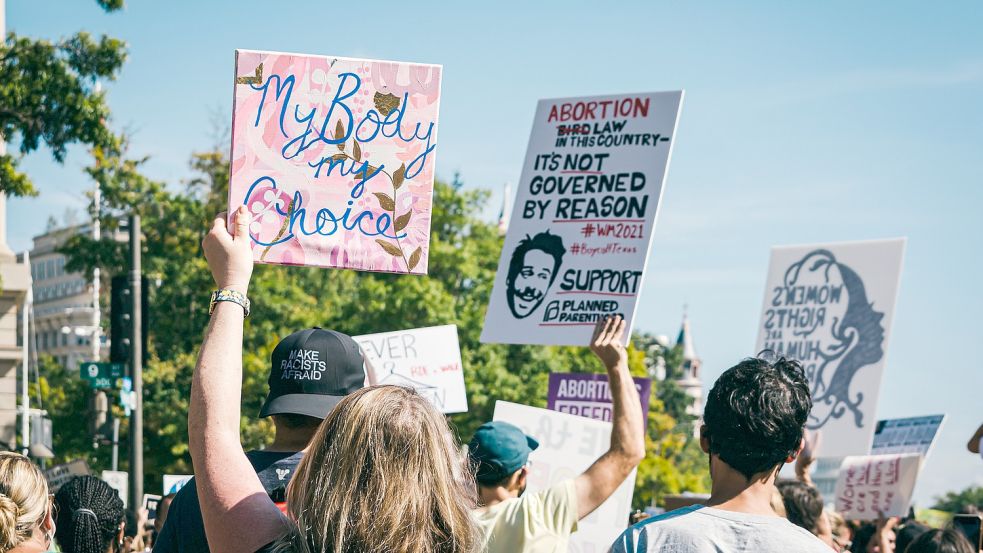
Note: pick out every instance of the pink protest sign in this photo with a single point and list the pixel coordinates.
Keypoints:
(334, 157)
(873, 485)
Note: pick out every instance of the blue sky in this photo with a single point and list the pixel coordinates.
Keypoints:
(802, 123)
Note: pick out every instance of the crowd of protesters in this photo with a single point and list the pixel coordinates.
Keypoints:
(361, 468)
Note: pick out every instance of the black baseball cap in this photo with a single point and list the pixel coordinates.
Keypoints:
(312, 370)
(498, 449)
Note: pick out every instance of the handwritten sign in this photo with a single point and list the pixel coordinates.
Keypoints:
(334, 157)
(870, 484)
(830, 307)
(589, 395)
(568, 445)
(59, 475)
(427, 359)
(907, 435)
(580, 231)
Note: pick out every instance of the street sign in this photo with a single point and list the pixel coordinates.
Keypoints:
(101, 375)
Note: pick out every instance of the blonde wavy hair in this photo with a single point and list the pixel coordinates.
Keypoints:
(382, 474)
(23, 499)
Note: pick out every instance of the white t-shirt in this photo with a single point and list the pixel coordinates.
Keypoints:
(539, 522)
(699, 529)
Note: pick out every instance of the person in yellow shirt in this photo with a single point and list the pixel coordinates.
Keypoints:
(514, 522)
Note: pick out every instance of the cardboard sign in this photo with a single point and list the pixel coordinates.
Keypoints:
(830, 307)
(119, 481)
(426, 359)
(334, 157)
(908, 435)
(174, 482)
(59, 475)
(872, 484)
(588, 395)
(579, 236)
(568, 445)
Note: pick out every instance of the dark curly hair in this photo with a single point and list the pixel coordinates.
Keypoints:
(90, 513)
(803, 504)
(755, 414)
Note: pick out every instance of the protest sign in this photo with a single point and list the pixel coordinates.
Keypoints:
(174, 482)
(588, 395)
(426, 359)
(872, 484)
(150, 503)
(568, 445)
(334, 157)
(119, 481)
(908, 435)
(58, 475)
(830, 307)
(579, 235)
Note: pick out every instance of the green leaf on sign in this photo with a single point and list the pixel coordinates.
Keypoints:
(391, 249)
(403, 220)
(385, 201)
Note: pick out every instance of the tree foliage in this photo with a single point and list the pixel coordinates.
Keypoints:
(955, 502)
(49, 95)
(463, 258)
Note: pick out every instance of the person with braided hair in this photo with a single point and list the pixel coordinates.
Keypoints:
(26, 520)
(90, 517)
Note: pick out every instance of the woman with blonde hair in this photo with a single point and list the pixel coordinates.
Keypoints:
(26, 520)
(382, 474)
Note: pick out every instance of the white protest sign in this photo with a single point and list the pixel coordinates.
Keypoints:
(119, 481)
(873, 484)
(830, 307)
(174, 482)
(585, 209)
(907, 435)
(568, 445)
(427, 359)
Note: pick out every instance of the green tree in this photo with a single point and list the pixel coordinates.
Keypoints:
(48, 94)
(463, 259)
(954, 502)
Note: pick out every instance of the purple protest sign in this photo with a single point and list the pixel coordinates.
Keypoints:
(588, 395)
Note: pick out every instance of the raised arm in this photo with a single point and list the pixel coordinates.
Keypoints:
(627, 449)
(231, 495)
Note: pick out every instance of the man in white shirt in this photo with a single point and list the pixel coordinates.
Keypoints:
(753, 424)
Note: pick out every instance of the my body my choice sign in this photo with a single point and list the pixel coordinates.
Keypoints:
(585, 210)
(334, 158)
(830, 306)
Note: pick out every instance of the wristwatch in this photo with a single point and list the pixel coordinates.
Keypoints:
(228, 295)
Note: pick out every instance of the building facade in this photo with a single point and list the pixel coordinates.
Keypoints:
(66, 316)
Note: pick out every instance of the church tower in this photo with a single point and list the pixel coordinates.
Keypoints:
(689, 380)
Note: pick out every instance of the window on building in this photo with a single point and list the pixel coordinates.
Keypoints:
(64, 339)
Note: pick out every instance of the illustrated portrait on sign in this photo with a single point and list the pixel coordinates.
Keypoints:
(850, 336)
(534, 265)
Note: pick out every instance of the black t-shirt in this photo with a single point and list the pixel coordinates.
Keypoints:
(184, 531)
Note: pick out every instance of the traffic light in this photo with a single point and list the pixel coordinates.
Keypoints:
(120, 319)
